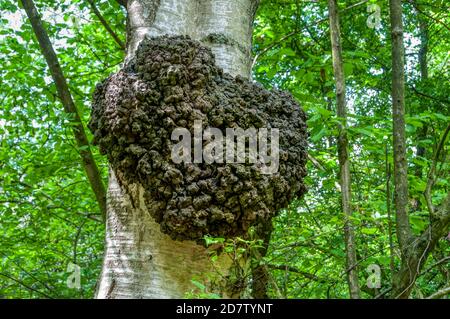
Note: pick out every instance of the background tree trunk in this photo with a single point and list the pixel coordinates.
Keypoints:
(399, 142)
(260, 272)
(398, 114)
(423, 65)
(414, 249)
(140, 261)
(344, 163)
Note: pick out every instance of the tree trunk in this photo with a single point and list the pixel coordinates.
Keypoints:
(399, 142)
(414, 249)
(398, 112)
(260, 272)
(344, 163)
(140, 261)
(416, 253)
(423, 65)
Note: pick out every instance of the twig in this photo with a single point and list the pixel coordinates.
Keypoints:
(300, 272)
(429, 16)
(106, 25)
(25, 285)
(316, 163)
(428, 96)
(443, 260)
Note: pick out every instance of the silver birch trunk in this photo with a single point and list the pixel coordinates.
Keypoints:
(139, 260)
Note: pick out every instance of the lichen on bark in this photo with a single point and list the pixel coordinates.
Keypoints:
(170, 83)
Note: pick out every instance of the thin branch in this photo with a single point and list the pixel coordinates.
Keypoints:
(417, 252)
(51, 199)
(316, 163)
(88, 160)
(106, 25)
(441, 261)
(300, 272)
(431, 174)
(388, 209)
(26, 272)
(384, 292)
(440, 293)
(428, 96)
(25, 285)
(77, 237)
(429, 16)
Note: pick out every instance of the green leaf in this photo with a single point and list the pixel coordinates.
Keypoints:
(348, 69)
(369, 231)
(320, 134)
(199, 285)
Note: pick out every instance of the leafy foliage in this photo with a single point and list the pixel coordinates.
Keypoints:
(49, 216)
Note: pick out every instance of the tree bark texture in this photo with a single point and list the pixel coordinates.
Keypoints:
(224, 26)
(260, 271)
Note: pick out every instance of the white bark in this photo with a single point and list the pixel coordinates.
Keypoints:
(223, 25)
(140, 261)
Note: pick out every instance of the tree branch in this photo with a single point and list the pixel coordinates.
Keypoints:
(428, 96)
(441, 261)
(300, 272)
(417, 252)
(440, 293)
(89, 163)
(25, 285)
(428, 16)
(106, 25)
(316, 163)
(432, 172)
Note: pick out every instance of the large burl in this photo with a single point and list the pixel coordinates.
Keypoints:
(172, 82)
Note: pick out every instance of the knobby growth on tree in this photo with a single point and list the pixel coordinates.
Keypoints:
(171, 83)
